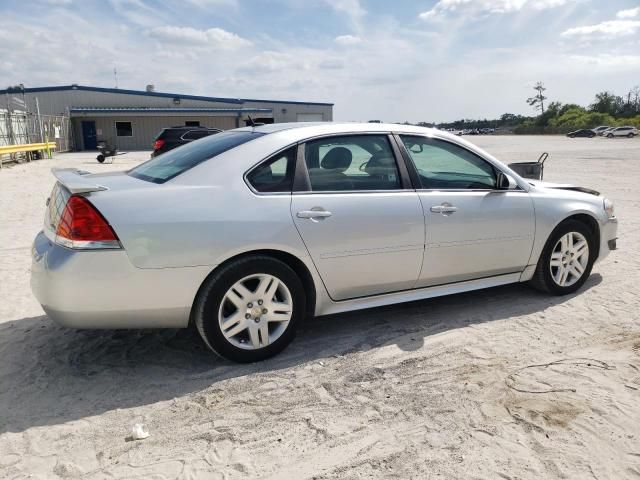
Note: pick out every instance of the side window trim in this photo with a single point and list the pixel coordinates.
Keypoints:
(245, 177)
(414, 172)
(302, 182)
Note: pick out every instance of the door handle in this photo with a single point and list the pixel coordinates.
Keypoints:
(445, 208)
(315, 214)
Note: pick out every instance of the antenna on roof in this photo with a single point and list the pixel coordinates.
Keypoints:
(115, 75)
(250, 122)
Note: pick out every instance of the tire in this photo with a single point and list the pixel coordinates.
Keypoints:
(214, 304)
(630, 135)
(100, 158)
(543, 278)
(610, 135)
(572, 136)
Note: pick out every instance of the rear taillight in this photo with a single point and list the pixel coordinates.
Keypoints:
(82, 226)
(158, 144)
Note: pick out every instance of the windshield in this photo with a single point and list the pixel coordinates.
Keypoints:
(174, 162)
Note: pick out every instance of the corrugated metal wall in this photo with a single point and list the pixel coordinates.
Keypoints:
(57, 102)
(144, 128)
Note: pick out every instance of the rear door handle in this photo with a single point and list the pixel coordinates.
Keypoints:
(445, 208)
(315, 214)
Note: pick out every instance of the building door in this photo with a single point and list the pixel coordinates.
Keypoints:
(89, 139)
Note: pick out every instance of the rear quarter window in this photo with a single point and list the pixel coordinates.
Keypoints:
(171, 164)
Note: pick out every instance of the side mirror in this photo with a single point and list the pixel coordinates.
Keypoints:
(505, 182)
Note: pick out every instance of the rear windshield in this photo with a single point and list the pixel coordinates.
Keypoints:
(174, 162)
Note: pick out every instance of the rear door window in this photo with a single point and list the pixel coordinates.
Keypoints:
(174, 162)
(352, 163)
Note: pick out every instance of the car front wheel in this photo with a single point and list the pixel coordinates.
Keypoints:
(610, 135)
(567, 259)
(250, 309)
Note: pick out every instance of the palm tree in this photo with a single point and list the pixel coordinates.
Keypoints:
(537, 101)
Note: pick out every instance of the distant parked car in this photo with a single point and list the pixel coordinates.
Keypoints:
(603, 133)
(622, 132)
(170, 138)
(583, 132)
(600, 129)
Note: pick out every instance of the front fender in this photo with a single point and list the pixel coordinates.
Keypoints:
(551, 209)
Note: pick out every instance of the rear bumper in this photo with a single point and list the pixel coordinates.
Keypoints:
(102, 289)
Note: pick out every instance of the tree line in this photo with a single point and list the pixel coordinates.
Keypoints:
(556, 117)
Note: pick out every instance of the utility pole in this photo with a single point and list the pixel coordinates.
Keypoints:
(115, 76)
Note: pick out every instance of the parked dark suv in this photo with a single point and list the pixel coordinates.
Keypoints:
(172, 137)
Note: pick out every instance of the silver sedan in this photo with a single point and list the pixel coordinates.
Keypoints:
(245, 233)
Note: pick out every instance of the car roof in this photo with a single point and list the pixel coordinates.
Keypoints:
(323, 128)
(187, 127)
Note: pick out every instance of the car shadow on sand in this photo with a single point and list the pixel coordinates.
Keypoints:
(50, 375)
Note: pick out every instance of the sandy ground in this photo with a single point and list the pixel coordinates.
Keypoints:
(431, 389)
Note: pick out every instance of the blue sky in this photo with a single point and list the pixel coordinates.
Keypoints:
(392, 60)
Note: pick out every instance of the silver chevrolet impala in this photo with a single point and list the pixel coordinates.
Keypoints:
(245, 233)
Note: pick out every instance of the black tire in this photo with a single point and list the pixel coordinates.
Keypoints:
(100, 158)
(571, 136)
(212, 293)
(610, 135)
(630, 135)
(542, 278)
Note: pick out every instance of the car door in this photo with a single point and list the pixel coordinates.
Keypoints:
(473, 230)
(358, 216)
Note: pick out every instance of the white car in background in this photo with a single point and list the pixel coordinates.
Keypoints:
(627, 131)
(600, 129)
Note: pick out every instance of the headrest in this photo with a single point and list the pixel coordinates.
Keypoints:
(338, 158)
(380, 160)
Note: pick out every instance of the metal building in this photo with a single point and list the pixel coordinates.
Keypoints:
(130, 119)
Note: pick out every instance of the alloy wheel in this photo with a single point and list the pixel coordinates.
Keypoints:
(569, 259)
(255, 311)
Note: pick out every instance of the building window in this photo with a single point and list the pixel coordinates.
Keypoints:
(192, 123)
(124, 129)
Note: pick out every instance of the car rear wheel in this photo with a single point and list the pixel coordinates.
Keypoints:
(567, 259)
(630, 135)
(250, 309)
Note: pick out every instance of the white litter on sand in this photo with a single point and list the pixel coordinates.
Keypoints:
(138, 432)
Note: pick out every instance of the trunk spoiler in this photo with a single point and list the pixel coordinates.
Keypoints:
(74, 181)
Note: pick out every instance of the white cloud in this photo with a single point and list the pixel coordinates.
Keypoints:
(212, 37)
(488, 6)
(348, 40)
(611, 28)
(135, 11)
(351, 8)
(630, 13)
(607, 61)
(269, 61)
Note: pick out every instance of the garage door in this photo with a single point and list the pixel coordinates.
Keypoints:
(310, 117)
